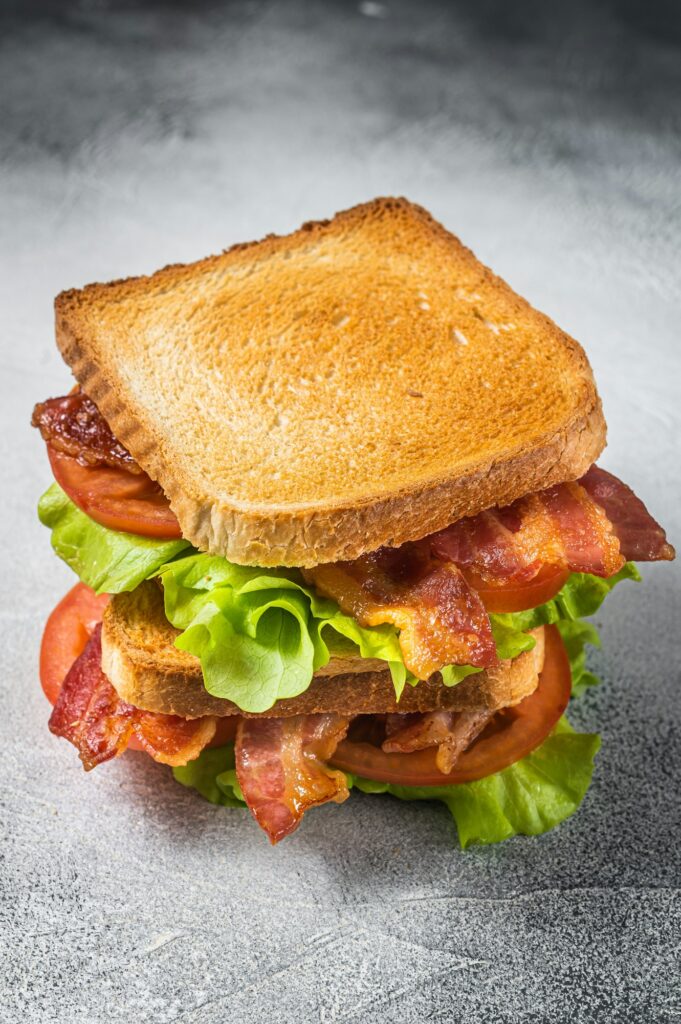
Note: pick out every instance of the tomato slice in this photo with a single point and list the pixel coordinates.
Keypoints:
(130, 502)
(519, 595)
(66, 633)
(511, 735)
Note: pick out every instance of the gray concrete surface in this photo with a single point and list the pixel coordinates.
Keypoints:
(548, 138)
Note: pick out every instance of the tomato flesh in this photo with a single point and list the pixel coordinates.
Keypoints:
(511, 735)
(66, 633)
(129, 502)
(519, 595)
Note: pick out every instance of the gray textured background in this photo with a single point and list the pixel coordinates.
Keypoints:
(548, 138)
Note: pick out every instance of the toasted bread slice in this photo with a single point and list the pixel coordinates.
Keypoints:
(363, 381)
(146, 670)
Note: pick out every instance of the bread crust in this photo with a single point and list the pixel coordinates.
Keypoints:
(147, 671)
(328, 511)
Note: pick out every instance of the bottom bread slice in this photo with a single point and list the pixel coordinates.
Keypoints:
(148, 671)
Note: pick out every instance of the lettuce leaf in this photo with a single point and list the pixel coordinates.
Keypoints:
(576, 635)
(104, 559)
(261, 634)
(510, 637)
(453, 674)
(213, 775)
(529, 797)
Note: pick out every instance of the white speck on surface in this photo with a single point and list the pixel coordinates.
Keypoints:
(159, 941)
(373, 10)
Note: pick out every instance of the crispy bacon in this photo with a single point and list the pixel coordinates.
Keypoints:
(588, 526)
(450, 731)
(90, 714)
(421, 588)
(487, 539)
(559, 526)
(74, 425)
(641, 538)
(170, 739)
(282, 771)
(441, 619)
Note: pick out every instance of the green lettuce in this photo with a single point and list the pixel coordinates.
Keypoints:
(509, 637)
(213, 775)
(106, 560)
(453, 674)
(528, 798)
(576, 635)
(261, 634)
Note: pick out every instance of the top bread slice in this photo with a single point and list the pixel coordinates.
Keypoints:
(361, 382)
(148, 671)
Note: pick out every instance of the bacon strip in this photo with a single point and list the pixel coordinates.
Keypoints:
(442, 621)
(487, 539)
(559, 526)
(421, 588)
(451, 732)
(74, 425)
(641, 538)
(280, 764)
(90, 714)
(170, 739)
(588, 526)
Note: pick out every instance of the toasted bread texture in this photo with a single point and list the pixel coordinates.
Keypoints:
(146, 670)
(361, 382)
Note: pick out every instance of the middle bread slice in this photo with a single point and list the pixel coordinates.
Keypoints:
(147, 670)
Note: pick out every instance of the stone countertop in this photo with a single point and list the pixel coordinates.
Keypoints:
(548, 139)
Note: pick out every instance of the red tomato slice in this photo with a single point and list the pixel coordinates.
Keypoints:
(130, 502)
(519, 595)
(66, 633)
(511, 735)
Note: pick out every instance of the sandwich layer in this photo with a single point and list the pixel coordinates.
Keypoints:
(149, 672)
(361, 382)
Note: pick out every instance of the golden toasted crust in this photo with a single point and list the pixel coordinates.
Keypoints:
(363, 381)
(146, 670)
